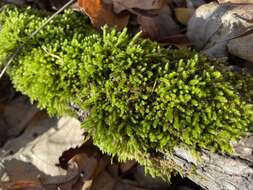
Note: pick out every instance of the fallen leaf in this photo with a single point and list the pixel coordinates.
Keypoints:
(181, 41)
(44, 151)
(196, 3)
(128, 185)
(42, 4)
(86, 165)
(63, 182)
(87, 184)
(242, 47)
(90, 161)
(6, 90)
(236, 1)
(102, 14)
(3, 128)
(104, 182)
(183, 15)
(88, 148)
(22, 184)
(147, 181)
(159, 27)
(16, 2)
(125, 167)
(113, 169)
(24, 112)
(214, 25)
(179, 3)
(121, 5)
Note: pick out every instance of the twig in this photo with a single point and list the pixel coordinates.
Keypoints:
(13, 56)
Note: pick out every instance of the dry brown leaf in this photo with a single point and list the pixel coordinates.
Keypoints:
(63, 182)
(87, 165)
(236, 1)
(214, 25)
(6, 89)
(113, 169)
(101, 14)
(90, 161)
(180, 41)
(88, 148)
(128, 185)
(159, 27)
(104, 182)
(24, 112)
(242, 47)
(43, 4)
(22, 184)
(125, 167)
(121, 5)
(183, 15)
(147, 181)
(3, 128)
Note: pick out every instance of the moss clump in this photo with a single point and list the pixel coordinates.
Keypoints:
(46, 69)
(143, 99)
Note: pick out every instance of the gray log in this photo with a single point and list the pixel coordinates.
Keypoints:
(220, 172)
(213, 171)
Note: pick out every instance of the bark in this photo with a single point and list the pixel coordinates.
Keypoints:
(221, 172)
(213, 171)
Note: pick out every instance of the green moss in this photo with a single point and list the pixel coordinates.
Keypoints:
(143, 99)
(46, 69)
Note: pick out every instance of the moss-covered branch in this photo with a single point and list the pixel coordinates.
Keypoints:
(143, 100)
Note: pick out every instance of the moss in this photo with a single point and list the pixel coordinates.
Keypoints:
(143, 99)
(46, 69)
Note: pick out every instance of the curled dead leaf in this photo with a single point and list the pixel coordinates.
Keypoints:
(180, 41)
(236, 1)
(88, 148)
(242, 47)
(125, 167)
(213, 26)
(120, 5)
(160, 26)
(183, 15)
(102, 14)
(21, 184)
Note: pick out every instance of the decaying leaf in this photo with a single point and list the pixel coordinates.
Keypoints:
(236, 1)
(214, 25)
(22, 184)
(120, 5)
(180, 41)
(125, 167)
(67, 155)
(183, 14)
(147, 181)
(159, 27)
(24, 112)
(43, 4)
(63, 182)
(6, 89)
(242, 47)
(102, 13)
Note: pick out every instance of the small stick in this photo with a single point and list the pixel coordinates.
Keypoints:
(13, 56)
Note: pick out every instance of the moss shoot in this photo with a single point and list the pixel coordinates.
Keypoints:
(143, 99)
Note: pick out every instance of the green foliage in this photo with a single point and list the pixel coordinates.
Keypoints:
(46, 69)
(143, 99)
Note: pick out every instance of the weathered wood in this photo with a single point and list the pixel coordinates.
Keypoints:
(221, 172)
(213, 171)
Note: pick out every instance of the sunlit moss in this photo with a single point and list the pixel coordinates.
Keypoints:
(143, 99)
